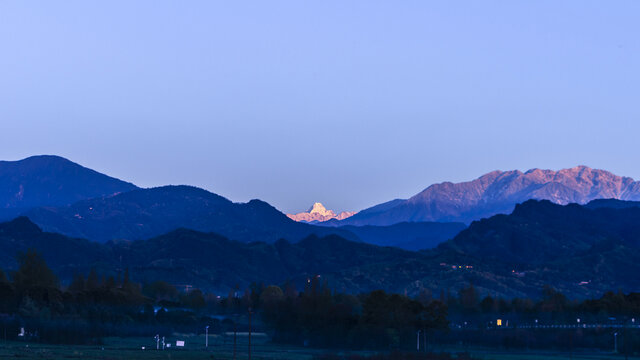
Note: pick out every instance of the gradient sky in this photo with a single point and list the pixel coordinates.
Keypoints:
(350, 103)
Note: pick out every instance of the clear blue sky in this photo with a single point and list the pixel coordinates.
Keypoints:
(350, 103)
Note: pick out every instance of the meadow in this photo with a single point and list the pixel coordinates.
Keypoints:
(221, 347)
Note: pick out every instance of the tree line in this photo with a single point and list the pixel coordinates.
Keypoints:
(34, 306)
(94, 306)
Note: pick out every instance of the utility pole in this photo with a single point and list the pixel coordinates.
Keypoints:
(206, 336)
(235, 330)
(624, 340)
(249, 333)
(571, 346)
(424, 332)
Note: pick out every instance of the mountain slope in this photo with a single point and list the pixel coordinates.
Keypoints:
(407, 235)
(184, 256)
(611, 203)
(64, 254)
(145, 213)
(540, 232)
(498, 192)
(51, 181)
(214, 262)
(497, 255)
(576, 249)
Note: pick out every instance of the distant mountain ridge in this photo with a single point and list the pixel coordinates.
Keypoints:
(206, 260)
(63, 197)
(48, 180)
(66, 198)
(407, 235)
(145, 213)
(497, 193)
(318, 213)
(111, 209)
(580, 251)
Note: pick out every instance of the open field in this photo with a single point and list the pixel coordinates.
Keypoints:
(131, 348)
(535, 355)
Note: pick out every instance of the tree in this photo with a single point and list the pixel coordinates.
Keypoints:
(434, 315)
(77, 284)
(3, 277)
(6, 293)
(425, 296)
(468, 298)
(271, 294)
(110, 283)
(256, 290)
(488, 305)
(28, 307)
(553, 300)
(33, 272)
(161, 290)
(194, 299)
(128, 286)
(290, 291)
(92, 280)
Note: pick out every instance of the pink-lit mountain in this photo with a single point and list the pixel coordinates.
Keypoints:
(498, 192)
(318, 213)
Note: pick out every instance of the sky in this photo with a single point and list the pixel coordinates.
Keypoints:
(350, 103)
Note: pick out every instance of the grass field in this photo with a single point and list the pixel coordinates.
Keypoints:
(131, 348)
(222, 348)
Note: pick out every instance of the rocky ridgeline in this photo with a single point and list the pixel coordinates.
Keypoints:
(318, 213)
(498, 192)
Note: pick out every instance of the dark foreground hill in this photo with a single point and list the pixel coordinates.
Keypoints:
(183, 256)
(64, 254)
(145, 213)
(51, 181)
(407, 235)
(540, 231)
(580, 251)
(215, 263)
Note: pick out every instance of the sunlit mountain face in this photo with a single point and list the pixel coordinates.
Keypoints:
(318, 213)
(497, 193)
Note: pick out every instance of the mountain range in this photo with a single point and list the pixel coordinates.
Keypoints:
(497, 193)
(581, 240)
(104, 214)
(579, 250)
(51, 181)
(61, 196)
(183, 256)
(145, 213)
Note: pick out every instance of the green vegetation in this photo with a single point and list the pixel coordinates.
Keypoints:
(95, 307)
(89, 312)
(131, 348)
(375, 320)
(506, 255)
